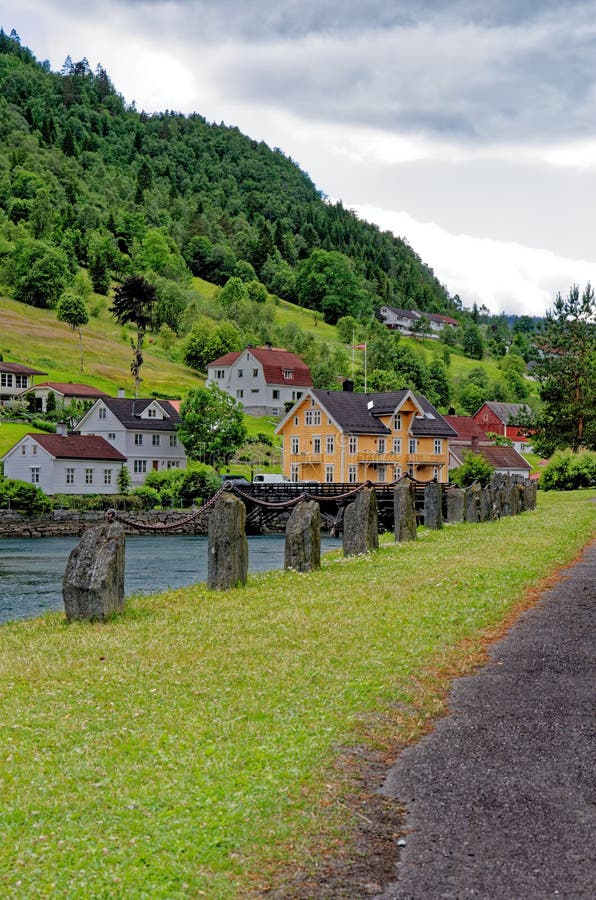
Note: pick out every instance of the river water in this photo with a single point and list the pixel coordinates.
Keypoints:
(31, 569)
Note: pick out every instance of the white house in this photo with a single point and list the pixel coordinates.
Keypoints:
(15, 378)
(65, 464)
(64, 392)
(407, 321)
(144, 431)
(262, 379)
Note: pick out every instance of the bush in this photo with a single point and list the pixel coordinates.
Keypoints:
(24, 497)
(568, 471)
(149, 497)
(473, 469)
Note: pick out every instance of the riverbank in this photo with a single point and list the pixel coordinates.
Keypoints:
(73, 522)
(211, 744)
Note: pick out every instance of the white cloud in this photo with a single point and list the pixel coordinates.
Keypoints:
(505, 276)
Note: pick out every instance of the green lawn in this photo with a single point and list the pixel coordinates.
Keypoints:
(11, 433)
(189, 748)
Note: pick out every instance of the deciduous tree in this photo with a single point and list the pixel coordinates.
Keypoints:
(72, 310)
(212, 425)
(134, 302)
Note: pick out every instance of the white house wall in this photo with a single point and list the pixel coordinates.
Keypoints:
(251, 390)
(52, 472)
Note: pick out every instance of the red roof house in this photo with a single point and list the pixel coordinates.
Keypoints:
(262, 379)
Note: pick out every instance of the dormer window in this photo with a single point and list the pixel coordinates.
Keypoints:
(288, 374)
(152, 413)
(397, 422)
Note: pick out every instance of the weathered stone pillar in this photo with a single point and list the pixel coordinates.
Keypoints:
(303, 537)
(455, 504)
(227, 553)
(486, 506)
(93, 582)
(473, 503)
(361, 530)
(433, 512)
(404, 511)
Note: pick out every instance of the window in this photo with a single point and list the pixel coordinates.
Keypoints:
(308, 417)
(254, 391)
(70, 476)
(173, 440)
(329, 444)
(436, 473)
(294, 473)
(380, 445)
(34, 449)
(88, 476)
(397, 422)
(219, 373)
(35, 474)
(6, 379)
(316, 445)
(139, 466)
(316, 416)
(296, 420)
(397, 445)
(111, 435)
(255, 373)
(20, 381)
(23, 450)
(240, 373)
(156, 440)
(107, 476)
(329, 474)
(438, 445)
(239, 394)
(295, 445)
(353, 444)
(152, 414)
(288, 374)
(381, 475)
(173, 464)
(396, 472)
(352, 474)
(275, 394)
(139, 440)
(103, 413)
(412, 445)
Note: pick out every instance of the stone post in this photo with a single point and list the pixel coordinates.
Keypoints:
(473, 503)
(93, 582)
(303, 537)
(227, 553)
(486, 505)
(433, 513)
(455, 504)
(404, 511)
(361, 531)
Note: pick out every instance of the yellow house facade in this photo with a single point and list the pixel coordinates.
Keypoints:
(347, 437)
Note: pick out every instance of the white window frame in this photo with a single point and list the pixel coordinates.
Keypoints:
(156, 440)
(438, 446)
(352, 474)
(330, 443)
(107, 476)
(295, 446)
(412, 445)
(88, 476)
(381, 445)
(316, 444)
(35, 474)
(138, 439)
(352, 444)
(397, 445)
(329, 474)
(139, 466)
(69, 475)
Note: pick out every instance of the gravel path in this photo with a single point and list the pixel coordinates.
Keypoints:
(500, 797)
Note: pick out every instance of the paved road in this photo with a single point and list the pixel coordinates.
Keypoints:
(500, 796)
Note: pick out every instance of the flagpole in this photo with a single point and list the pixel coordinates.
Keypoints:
(365, 367)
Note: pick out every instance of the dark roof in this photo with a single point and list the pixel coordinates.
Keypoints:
(352, 413)
(77, 446)
(128, 412)
(18, 369)
(275, 361)
(405, 313)
(504, 411)
(498, 457)
(437, 317)
(466, 427)
(68, 389)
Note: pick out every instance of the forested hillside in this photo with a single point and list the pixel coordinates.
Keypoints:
(105, 186)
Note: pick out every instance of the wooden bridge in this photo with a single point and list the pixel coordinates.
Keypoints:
(268, 506)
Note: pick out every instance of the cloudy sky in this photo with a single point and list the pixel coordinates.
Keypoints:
(467, 127)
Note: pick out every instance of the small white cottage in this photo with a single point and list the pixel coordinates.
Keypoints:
(65, 463)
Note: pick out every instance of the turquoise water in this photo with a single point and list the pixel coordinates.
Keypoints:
(31, 570)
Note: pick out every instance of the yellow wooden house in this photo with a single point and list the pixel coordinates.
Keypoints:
(348, 437)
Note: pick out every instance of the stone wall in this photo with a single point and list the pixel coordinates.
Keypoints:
(71, 522)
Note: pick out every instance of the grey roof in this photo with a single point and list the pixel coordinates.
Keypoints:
(352, 413)
(128, 412)
(505, 411)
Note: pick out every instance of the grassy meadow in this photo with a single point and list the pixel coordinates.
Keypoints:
(193, 746)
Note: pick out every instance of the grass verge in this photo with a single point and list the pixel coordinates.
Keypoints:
(190, 746)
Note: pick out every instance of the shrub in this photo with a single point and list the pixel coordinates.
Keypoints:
(24, 497)
(473, 469)
(568, 471)
(148, 496)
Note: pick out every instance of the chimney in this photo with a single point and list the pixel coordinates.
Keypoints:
(475, 443)
(61, 429)
(268, 345)
(121, 393)
(348, 385)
